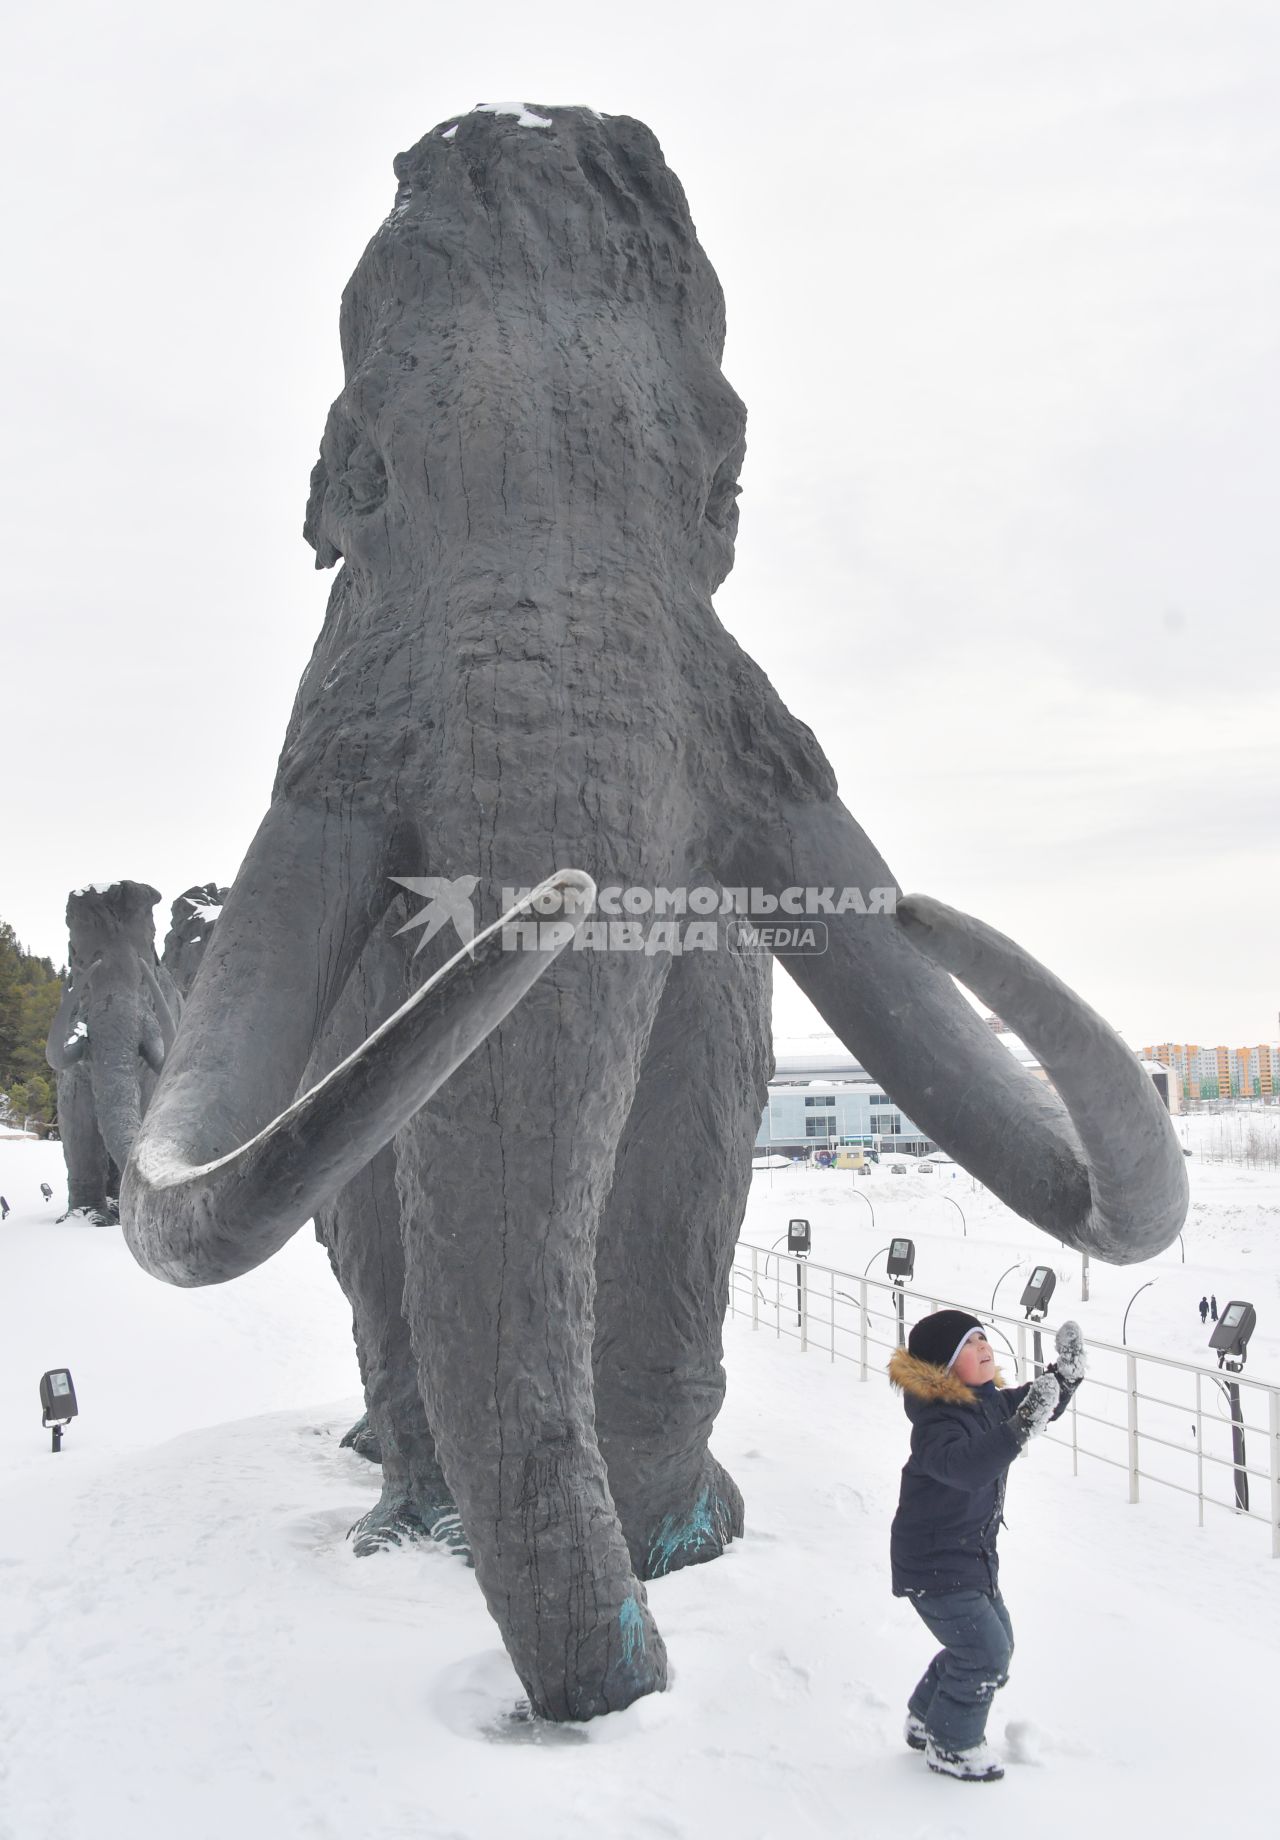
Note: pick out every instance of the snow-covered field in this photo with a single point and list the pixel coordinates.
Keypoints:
(187, 1646)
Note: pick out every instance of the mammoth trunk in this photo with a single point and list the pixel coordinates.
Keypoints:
(119, 1074)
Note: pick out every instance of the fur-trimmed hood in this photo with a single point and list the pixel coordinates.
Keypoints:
(929, 1383)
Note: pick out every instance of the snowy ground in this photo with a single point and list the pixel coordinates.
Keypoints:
(187, 1646)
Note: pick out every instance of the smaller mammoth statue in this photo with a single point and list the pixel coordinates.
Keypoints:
(192, 919)
(114, 1027)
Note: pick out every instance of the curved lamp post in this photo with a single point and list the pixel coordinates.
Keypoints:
(769, 1254)
(1000, 1280)
(861, 1197)
(960, 1211)
(1128, 1306)
(871, 1261)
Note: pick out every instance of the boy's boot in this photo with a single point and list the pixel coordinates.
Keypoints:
(914, 1732)
(978, 1764)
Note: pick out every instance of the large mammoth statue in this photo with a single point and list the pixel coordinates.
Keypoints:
(530, 478)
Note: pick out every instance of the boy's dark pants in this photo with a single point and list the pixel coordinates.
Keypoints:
(953, 1696)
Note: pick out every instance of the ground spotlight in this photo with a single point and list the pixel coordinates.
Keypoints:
(57, 1402)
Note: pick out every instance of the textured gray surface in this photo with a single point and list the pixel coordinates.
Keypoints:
(530, 479)
(193, 917)
(109, 1038)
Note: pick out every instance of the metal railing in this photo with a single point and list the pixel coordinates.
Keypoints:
(1158, 1420)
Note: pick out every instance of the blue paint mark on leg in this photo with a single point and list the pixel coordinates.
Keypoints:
(706, 1524)
(631, 1622)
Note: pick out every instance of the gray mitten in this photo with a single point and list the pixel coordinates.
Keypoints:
(1071, 1362)
(1037, 1408)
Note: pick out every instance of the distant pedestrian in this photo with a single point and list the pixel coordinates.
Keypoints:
(46, 1191)
(4, 1208)
(1204, 1309)
(1213, 1308)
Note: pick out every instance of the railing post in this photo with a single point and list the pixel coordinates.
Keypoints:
(755, 1288)
(1075, 1439)
(1274, 1403)
(1199, 1451)
(1131, 1376)
(802, 1298)
(777, 1297)
(862, 1326)
(1022, 1352)
(833, 1315)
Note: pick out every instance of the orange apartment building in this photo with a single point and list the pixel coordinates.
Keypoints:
(1221, 1072)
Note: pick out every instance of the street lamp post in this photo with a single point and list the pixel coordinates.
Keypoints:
(861, 1197)
(1124, 1325)
(960, 1211)
(1000, 1280)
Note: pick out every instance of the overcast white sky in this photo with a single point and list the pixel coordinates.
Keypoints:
(1004, 304)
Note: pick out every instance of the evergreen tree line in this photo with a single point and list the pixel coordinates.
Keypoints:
(30, 991)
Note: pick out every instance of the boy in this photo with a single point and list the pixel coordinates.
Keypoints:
(966, 1429)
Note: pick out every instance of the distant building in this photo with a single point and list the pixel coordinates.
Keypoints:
(1221, 1072)
(821, 1097)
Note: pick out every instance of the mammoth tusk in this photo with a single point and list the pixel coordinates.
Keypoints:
(1096, 1162)
(68, 1036)
(202, 1224)
(1138, 1188)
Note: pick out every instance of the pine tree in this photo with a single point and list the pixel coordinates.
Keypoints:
(30, 991)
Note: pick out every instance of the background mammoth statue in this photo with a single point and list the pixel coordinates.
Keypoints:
(109, 1038)
(193, 917)
(117, 1018)
(530, 479)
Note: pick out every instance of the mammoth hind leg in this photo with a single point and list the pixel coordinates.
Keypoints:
(680, 1187)
(360, 1228)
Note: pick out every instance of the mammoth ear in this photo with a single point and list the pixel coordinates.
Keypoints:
(313, 525)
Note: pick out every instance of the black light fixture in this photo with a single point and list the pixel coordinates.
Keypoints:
(57, 1402)
(800, 1244)
(1039, 1288)
(1037, 1291)
(901, 1265)
(1231, 1332)
(901, 1262)
(1230, 1341)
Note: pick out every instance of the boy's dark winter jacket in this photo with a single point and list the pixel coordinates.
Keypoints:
(963, 1440)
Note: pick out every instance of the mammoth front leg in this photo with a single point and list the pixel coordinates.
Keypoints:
(680, 1188)
(503, 1182)
(88, 1165)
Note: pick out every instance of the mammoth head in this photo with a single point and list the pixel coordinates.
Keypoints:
(191, 923)
(107, 918)
(535, 314)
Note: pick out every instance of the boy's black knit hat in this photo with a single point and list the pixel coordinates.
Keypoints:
(939, 1338)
